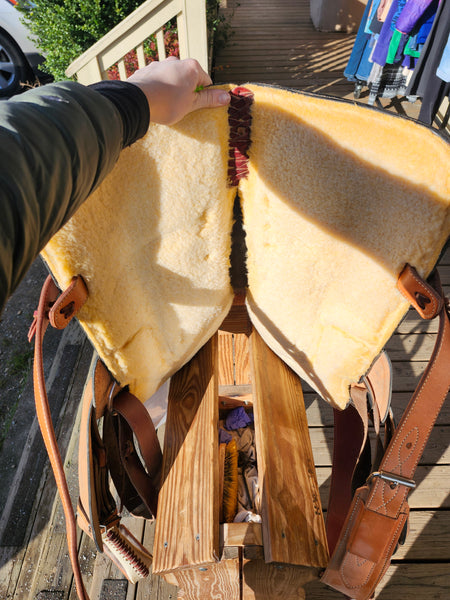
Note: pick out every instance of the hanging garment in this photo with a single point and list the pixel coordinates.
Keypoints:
(425, 82)
(414, 14)
(358, 67)
(443, 71)
(387, 82)
(383, 10)
(380, 52)
(373, 25)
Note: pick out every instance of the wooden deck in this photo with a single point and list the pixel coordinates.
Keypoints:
(282, 47)
(276, 43)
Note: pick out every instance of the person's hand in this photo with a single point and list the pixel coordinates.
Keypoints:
(175, 88)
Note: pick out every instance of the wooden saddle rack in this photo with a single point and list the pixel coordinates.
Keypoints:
(277, 557)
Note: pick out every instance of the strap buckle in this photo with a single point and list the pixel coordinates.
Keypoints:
(393, 479)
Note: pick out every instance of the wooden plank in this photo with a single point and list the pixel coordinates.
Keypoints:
(411, 346)
(154, 587)
(320, 413)
(11, 560)
(293, 528)
(428, 537)
(226, 370)
(241, 534)
(424, 581)
(241, 360)
(432, 491)
(437, 450)
(187, 528)
(235, 390)
(262, 581)
(219, 580)
(147, 587)
(45, 564)
(163, 590)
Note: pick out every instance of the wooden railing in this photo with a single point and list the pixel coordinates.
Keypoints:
(442, 119)
(148, 19)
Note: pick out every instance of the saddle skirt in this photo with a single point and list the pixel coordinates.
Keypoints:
(336, 198)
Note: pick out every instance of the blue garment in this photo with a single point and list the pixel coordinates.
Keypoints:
(443, 71)
(371, 16)
(358, 66)
(400, 7)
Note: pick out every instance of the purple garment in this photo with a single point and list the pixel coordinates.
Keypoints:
(384, 39)
(411, 14)
(237, 418)
(400, 7)
(224, 436)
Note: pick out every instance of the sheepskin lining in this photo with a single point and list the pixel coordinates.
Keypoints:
(337, 199)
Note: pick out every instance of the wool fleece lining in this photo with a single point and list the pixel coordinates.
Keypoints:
(337, 199)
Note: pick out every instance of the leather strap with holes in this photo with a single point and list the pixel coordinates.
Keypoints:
(97, 508)
(58, 310)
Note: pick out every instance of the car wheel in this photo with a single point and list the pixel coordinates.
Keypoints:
(13, 66)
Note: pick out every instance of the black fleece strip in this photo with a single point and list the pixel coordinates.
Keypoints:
(132, 105)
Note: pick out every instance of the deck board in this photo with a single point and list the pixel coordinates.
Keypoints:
(276, 43)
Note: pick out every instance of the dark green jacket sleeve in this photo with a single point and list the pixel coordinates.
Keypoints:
(57, 143)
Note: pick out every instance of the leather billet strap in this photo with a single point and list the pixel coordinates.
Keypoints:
(352, 455)
(96, 506)
(379, 511)
(60, 310)
(100, 456)
(135, 471)
(128, 419)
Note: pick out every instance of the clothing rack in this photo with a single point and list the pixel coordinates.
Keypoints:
(402, 48)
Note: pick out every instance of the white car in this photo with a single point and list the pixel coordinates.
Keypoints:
(19, 57)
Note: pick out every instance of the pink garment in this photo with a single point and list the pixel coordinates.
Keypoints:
(383, 10)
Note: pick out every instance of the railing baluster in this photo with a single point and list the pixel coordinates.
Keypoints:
(122, 70)
(140, 55)
(147, 19)
(160, 44)
(182, 36)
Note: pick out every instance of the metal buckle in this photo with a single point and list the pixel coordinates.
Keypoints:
(393, 479)
(111, 397)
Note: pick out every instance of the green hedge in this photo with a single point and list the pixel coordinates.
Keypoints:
(64, 29)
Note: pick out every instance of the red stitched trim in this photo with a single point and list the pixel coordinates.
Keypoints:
(239, 120)
(127, 552)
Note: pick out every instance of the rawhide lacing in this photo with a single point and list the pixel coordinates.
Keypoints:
(239, 120)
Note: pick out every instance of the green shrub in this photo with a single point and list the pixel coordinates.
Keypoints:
(64, 29)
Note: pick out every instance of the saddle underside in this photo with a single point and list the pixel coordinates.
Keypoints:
(337, 199)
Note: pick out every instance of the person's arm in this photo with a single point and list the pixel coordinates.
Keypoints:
(57, 143)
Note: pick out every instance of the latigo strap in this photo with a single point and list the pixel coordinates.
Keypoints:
(97, 511)
(60, 310)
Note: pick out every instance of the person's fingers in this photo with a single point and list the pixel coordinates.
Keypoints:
(203, 78)
(176, 87)
(210, 98)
